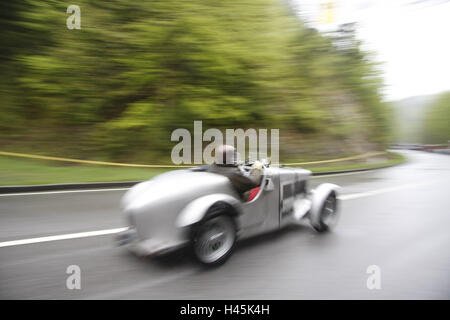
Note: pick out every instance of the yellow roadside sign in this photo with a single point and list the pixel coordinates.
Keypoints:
(327, 12)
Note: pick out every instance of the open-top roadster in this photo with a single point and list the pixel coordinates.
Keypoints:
(202, 209)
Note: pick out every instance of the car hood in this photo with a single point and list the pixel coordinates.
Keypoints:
(172, 186)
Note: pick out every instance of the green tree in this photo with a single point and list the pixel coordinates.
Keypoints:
(437, 120)
(137, 70)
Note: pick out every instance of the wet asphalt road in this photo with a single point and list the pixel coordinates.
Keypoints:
(396, 218)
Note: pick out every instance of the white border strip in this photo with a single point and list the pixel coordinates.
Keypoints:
(61, 237)
(380, 191)
(59, 192)
(124, 189)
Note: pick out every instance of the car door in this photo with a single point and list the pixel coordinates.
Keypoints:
(263, 210)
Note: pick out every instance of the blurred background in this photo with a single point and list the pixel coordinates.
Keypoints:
(343, 81)
(338, 78)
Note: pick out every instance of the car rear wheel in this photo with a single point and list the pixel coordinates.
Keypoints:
(328, 214)
(213, 240)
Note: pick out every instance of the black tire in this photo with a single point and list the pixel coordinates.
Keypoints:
(213, 239)
(328, 214)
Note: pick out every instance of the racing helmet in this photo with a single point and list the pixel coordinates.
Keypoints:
(226, 155)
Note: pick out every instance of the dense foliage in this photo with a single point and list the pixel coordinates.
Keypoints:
(139, 69)
(437, 121)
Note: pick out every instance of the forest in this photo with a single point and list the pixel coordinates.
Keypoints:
(117, 87)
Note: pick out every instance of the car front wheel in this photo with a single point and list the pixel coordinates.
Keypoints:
(213, 240)
(328, 214)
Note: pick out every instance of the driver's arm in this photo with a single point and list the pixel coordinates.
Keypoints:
(255, 173)
(242, 182)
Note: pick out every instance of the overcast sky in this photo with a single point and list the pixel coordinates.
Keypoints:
(411, 37)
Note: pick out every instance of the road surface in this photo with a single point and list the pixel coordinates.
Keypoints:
(396, 218)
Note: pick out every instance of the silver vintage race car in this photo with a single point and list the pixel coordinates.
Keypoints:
(200, 209)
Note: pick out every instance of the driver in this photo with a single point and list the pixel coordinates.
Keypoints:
(226, 164)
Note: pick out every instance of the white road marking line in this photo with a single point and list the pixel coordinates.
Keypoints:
(62, 237)
(123, 189)
(380, 191)
(60, 192)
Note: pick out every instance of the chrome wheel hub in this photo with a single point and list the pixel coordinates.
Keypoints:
(329, 211)
(215, 239)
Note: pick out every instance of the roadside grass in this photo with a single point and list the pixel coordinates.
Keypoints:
(17, 171)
